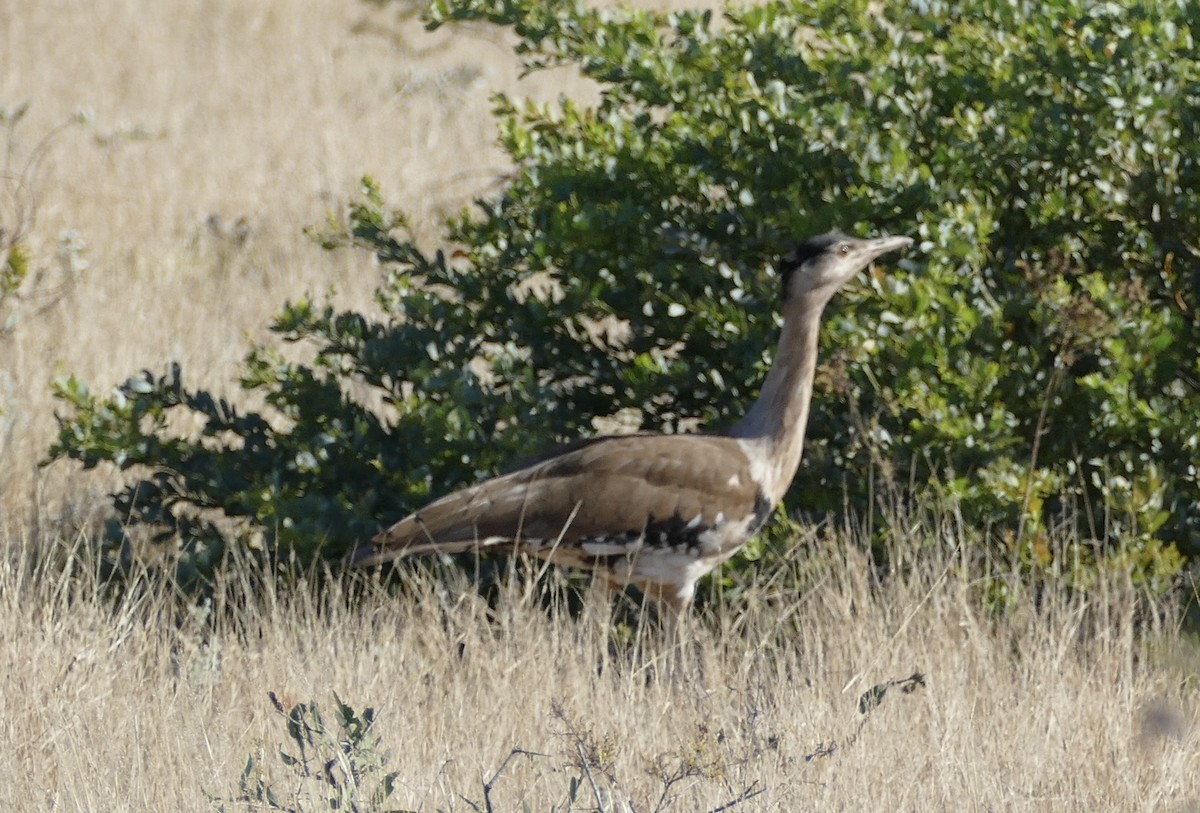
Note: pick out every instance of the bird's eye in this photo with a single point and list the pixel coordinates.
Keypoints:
(844, 249)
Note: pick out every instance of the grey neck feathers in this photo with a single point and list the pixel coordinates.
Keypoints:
(772, 432)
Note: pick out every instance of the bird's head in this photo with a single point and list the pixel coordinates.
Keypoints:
(818, 267)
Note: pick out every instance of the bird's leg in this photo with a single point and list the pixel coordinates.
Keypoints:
(670, 606)
(672, 603)
(672, 615)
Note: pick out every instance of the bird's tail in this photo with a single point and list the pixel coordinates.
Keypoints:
(449, 525)
(380, 550)
(459, 522)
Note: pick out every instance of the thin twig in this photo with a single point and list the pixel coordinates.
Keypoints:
(747, 794)
(583, 762)
(903, 626)
(488, 785)
(1039, 430)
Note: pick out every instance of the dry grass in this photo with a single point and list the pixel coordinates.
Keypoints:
(209, 119)
(207, 115)
(134, 707)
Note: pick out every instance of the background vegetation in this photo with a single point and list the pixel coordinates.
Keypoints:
(167, 229)
(1037, 364)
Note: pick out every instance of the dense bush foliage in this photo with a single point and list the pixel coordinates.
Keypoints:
(1037, 358)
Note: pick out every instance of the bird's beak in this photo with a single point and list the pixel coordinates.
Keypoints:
(871, 249)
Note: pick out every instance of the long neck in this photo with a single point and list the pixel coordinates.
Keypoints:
(772, 432)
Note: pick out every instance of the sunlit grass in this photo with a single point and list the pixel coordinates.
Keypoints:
(800, 695)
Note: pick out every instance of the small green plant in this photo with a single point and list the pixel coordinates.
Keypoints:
(336, 766)
(868, 701)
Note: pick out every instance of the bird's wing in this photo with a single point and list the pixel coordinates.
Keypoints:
(607, 495)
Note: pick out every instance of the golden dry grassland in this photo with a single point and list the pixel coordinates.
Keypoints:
(219, 130)
(1079, 705)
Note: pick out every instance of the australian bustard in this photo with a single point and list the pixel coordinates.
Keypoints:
(656, 511)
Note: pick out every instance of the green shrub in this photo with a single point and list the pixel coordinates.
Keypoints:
(1037, 361)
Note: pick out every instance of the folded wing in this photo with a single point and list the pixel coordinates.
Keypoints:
(604, 497)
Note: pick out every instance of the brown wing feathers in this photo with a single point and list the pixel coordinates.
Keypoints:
(608, 493)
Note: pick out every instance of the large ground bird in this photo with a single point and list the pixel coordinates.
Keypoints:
(656, 511)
